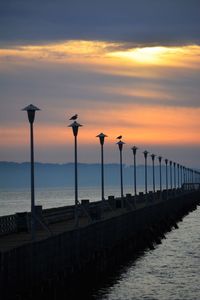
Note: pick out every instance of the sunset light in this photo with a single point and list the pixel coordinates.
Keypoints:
(99, 79)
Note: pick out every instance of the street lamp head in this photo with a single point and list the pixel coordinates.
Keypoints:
(170, 162)
(31, 109)
(134, 148)
(145, 153)
(153, 156)
(101, 137)
(120, 145)
(75, 127)
(174, 164)
(160, 158)
(166, 161)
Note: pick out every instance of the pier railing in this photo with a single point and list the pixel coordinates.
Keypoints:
(21, 221)
(8, 224)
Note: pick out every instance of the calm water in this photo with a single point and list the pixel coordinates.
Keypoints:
(170, 272)
(18, 200)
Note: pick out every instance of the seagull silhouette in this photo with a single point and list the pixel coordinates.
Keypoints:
(119, 137)
(74, 117)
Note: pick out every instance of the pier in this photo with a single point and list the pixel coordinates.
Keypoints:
(63, 251)
(45, 251)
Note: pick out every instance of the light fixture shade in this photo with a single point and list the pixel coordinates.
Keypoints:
(75, 126)
(31, 109)
(101, 137)
(145, 153)
(120, 145)
(134, 148)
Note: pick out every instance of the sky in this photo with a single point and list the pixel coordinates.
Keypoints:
(129, 68)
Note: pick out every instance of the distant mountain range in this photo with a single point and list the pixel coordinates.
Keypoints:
(17, 175)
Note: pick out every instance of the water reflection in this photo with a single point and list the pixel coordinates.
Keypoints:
(171, 271)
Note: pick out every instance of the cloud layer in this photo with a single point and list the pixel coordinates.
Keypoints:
(110, 61)
(137, 21)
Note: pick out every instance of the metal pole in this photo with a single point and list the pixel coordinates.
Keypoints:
(160, 159)
(31, 109)
(145, 157)
(181, 175)
(166, 162)
(76, 180)
(184, 180)
(170, 169)
(121, 174)
(32, 184)
(153, 165)
(102, 174)
(75, 126)
(178, 175)
(134, 148)
(174, 175)
(135, 184)
(145, 175)
(120, 146)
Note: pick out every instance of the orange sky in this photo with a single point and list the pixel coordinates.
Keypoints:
(149, 95)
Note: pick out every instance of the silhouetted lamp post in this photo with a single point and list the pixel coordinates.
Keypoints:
(184, 175)
(120, 145)
(145, 158)
(188, 178)
(153, 167)
(31, 109)
(178, 175)
(134, 148)
(101, 137)
(181, 175)
(174, 175)
(160, 160)
(170, 170)
(166, 162)
(75, 126)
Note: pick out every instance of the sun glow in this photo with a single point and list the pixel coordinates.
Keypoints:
(148, 94)
(106, 52)
(160, 55)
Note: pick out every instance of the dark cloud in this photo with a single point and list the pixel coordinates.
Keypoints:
(139, 22)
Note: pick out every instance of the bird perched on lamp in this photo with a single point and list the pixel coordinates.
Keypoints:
(74, 117)
(119, 137)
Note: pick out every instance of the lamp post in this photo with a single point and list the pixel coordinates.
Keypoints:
(101, 137)
(170, 169)
(174, 164)
(166, 162)
(145, 158)
(181, 178)
(120, 145)
(178, 175)
(31, 109)
(134, 148)
(174, 175)
(160, 160)
(184, 175)
(75, 126)
(186, 181)
(153, 166)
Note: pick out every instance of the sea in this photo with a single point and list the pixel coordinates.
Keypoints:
(171, 271)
